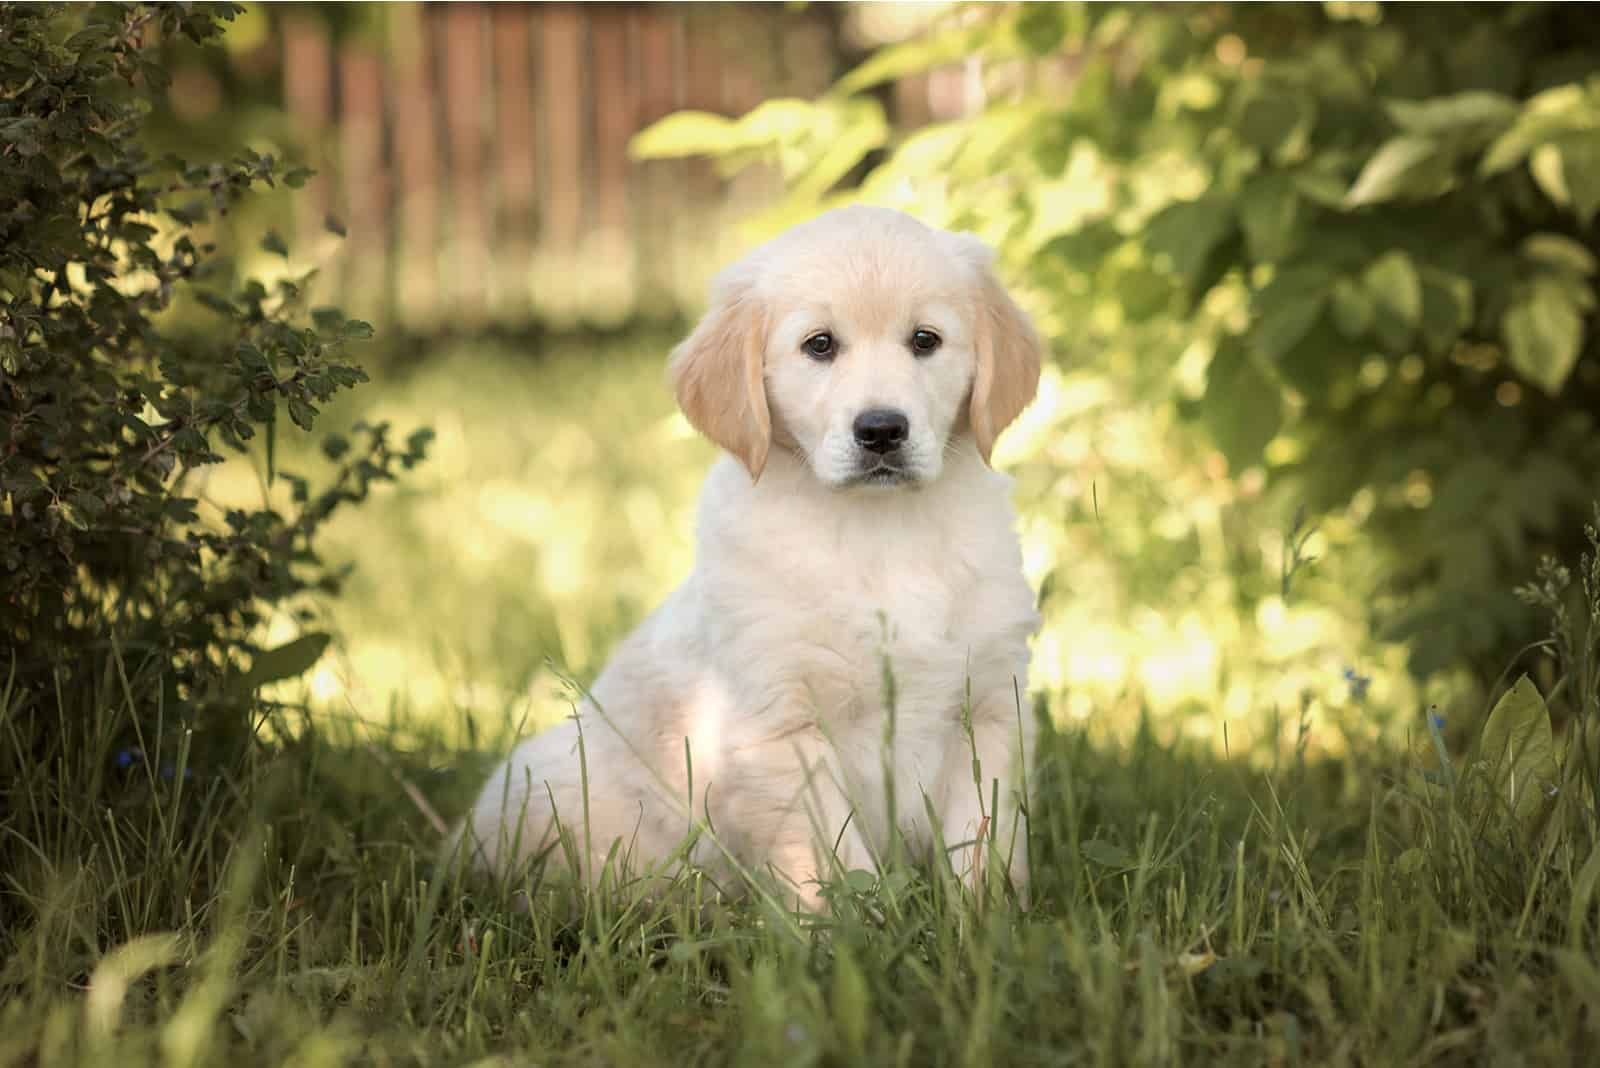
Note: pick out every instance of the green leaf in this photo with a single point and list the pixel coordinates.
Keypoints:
(1185, 233)
(1042, 27)
(1404, 165)
(1545, 164)
(1269, 116)
(303, 413)
(1518, 747)
(1286, 307)
(1395, 289)
(1447, 309)
(273, 243)
(1561, 252)
(1546, 117)
(1543, 332)
(1269, 207)
(684, 133)
(1352, 308)
(1107, 854)
(1242, 407)
(287, 661)
(1580, 167)
(327, 319)
(919, 54)
(1475, 113)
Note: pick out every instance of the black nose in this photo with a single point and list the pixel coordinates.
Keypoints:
(881, 429)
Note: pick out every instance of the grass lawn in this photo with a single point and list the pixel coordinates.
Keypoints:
(285, 908)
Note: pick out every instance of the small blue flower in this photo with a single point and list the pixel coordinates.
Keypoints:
(1437, 721)
(126, 757)
(1358, 684)
(168, 771)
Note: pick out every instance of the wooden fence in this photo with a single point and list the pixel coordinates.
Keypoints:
(476, 154)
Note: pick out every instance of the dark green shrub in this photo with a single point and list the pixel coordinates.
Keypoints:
(119, 590)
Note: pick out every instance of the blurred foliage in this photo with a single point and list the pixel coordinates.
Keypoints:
(1338, 257)
(117, 586)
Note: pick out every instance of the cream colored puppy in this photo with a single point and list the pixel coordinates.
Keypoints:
(856, 561)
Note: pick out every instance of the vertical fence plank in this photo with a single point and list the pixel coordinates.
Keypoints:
(415, 122)
(657, 183)
(515, 104)
(307, 96)
(562, 48)
(614, 95)
(615, 91)
(466, 85)
(365, 192)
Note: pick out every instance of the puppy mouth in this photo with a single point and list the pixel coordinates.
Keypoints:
(883, 471)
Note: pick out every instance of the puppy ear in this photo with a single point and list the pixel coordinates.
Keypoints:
(716, 373)
(1008, 351)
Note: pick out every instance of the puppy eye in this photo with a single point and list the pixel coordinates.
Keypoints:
(819, 346)
(924, 342)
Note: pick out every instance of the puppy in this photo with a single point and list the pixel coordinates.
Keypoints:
(849, 653)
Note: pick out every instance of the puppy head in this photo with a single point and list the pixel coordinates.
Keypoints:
(863, 341)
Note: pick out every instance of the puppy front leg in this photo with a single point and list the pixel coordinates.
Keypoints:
(980, 822)
(816, 835)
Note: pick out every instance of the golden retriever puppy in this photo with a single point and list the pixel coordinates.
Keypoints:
(854, 633)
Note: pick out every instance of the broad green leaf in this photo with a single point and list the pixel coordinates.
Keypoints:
(920, 54)
(1269, 207)
(1352, 308)
(1186, 232)
(1546, 165)
(1580, 167)
(1396, 292)
(1543, 332)
(1447, 308)
(861, 128)
(685, 133)
(701, 133)
(287, 661)
(1474, 113)
(1140, 291)
(1560, 251)
(1519, 748)
(1269, 116)
(1042, 27)
(1554, 112)
(1242, 407)
(1281, 323)
(1107, 854)
(1319, 361)
(1404, 165)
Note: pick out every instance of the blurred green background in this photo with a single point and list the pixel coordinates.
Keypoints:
(1317, 279)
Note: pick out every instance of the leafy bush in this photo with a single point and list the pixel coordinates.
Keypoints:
(1355, 243)
(120, 591)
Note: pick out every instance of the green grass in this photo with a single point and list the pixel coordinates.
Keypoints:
(287, 911)
(285, 907)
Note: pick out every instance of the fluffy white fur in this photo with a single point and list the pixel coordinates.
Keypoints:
(812, 572)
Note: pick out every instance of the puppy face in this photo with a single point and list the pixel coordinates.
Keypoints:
(864, 342)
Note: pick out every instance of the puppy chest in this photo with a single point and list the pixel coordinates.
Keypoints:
(842, 647)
